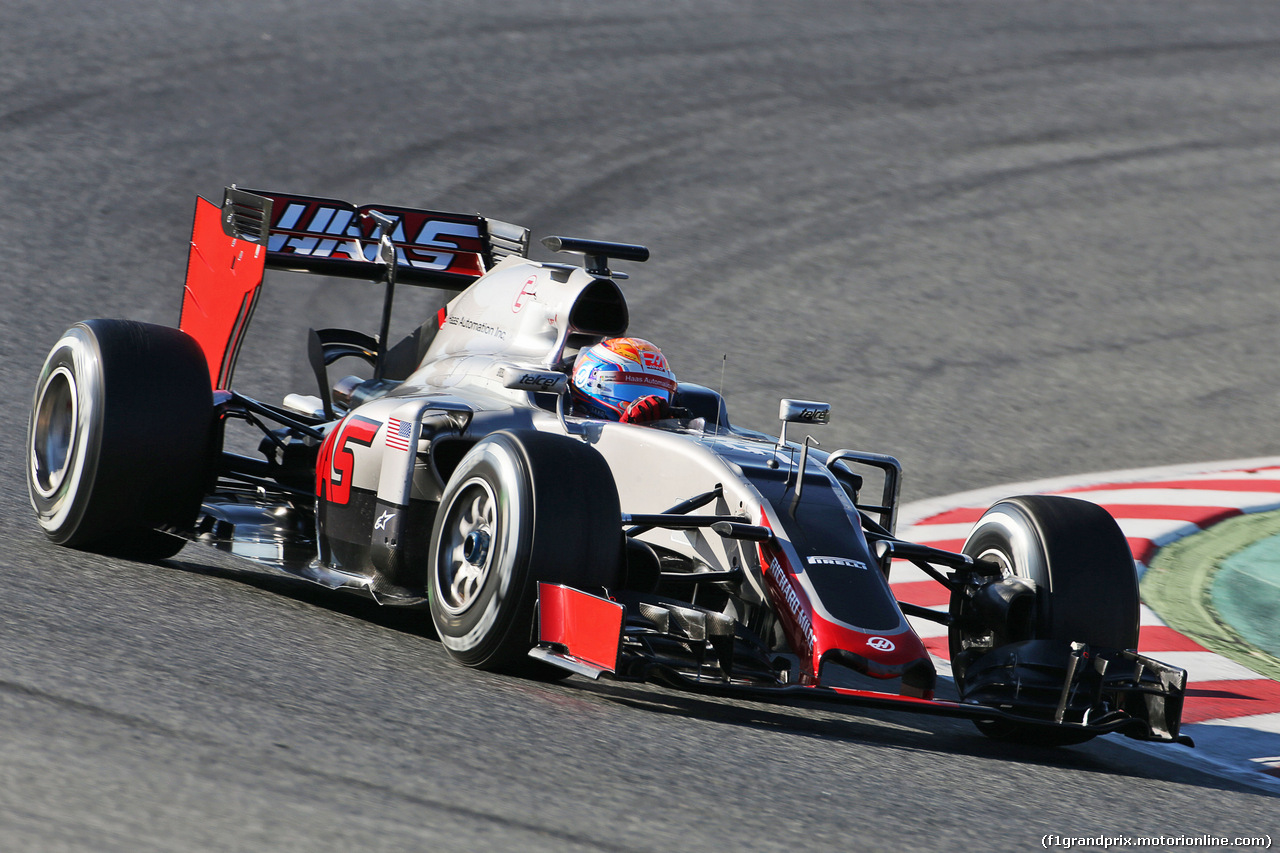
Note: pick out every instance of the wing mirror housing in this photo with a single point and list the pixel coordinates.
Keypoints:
(541, 382)
(537, 381)
(802, 412)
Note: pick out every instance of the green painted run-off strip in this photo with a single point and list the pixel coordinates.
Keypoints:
(1221, 588)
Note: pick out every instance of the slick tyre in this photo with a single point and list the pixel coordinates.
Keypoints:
(1087, 587)
(521, 507)
(118, 441)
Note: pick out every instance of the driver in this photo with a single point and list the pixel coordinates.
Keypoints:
(623, 379)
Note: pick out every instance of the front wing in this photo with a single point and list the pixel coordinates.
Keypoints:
(1091, 691)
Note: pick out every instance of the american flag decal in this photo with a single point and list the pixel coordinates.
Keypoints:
(398, 433)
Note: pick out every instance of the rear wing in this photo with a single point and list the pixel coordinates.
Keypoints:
(252, 231)
(331, 237)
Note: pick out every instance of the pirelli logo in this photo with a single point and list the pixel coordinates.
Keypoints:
(837, 561)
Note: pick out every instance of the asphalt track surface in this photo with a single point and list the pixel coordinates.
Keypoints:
(1007, 240)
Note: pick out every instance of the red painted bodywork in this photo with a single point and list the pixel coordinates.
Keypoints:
(224, 276)
(588, 626)
(812, 636)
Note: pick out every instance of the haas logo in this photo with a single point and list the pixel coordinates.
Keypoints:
(653, 360)
(883, 644)
(530, 289)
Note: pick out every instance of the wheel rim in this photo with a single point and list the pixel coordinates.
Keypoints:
(466, 554)
(1000, 558)
(984, 640)
(1015, 551)
(53, 434)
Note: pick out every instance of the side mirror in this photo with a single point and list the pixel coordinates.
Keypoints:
(804, 412)
(542, 382)
(801, 412)
(537, 381)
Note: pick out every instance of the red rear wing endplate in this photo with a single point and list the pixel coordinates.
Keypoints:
(224, 275)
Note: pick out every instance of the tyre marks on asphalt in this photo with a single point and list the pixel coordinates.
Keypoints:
(1229, 709)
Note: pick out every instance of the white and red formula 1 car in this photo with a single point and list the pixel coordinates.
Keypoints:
(689, 552)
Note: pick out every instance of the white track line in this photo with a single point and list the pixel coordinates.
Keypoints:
(916, 510)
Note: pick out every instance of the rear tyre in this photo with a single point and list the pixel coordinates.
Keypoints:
(1087, 588)
(118, 440)
(521, 507)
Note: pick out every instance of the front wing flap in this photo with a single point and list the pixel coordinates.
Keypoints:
(1095, 691)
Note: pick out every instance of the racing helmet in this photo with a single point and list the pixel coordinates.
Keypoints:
(613, 374)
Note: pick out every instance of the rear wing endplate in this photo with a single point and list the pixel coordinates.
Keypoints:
(231, 246)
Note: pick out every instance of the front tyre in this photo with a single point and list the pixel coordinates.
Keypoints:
(1087, 587)
(521, 507)
(118, 441)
